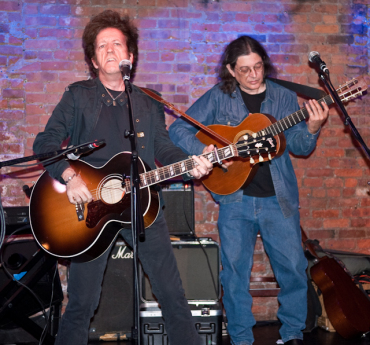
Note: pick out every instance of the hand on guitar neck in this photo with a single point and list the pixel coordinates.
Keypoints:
(204, 166)
(78, 193)
(318, 113)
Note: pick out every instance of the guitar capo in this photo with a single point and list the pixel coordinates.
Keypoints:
(219, 161)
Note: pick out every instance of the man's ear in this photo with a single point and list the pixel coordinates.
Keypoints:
(94, 63)
(230, 70)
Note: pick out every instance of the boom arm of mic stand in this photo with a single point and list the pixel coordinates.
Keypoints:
(35, 157)
(325, 78)
(51, 154)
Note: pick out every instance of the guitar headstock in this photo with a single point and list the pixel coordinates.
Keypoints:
(249, 146)
(352, 89)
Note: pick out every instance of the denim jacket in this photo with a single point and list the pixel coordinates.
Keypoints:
(216, 107)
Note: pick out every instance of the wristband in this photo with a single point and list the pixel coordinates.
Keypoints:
(69, 179)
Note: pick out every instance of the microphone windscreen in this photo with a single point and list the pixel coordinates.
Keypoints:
(125, 63)
(312, 55)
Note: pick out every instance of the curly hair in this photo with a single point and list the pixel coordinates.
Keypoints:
(104, 20)
(244, 45)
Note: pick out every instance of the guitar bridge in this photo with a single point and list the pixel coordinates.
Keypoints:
(80, 209)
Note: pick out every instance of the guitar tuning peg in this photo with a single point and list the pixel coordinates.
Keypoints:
(260, 158)
(251, 160)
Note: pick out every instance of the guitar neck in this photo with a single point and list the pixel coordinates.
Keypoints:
(291, 120)
(170, 171)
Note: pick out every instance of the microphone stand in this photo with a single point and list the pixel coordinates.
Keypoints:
(348, 122)
(137, 220)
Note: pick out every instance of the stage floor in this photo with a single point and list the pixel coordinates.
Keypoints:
(266, 333)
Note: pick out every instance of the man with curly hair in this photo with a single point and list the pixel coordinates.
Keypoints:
(95, 109)
(269, 203)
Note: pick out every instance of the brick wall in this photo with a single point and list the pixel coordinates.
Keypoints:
(180, 46)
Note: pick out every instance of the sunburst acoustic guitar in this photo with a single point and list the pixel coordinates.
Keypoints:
(85, 231)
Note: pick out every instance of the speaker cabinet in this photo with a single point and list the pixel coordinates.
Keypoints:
(114, 319)
(25, 262)
(179, 207)
(199, 266)
(17, 256)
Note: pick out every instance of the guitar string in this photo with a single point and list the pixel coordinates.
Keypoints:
(114, 187)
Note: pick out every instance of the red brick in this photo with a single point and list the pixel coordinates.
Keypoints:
(56, 66)
(172, 3)
(55, 9)
(210, 16)
(13, 93)
(313, 182)
(236, 7)
(17, 103)
(348, 245)
(30, 9)
(349, 172)
(245, 27)
(40, 21)
(335, 223)
(325, 214)
(320, 234)
(364, 246)
(10, 6)
(57, 33)
(326, 29)
(323, 8)
(205, 27)
(267, 28)
(11, 115)
(319, 193)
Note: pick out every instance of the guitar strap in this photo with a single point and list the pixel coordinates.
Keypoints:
(302, 90)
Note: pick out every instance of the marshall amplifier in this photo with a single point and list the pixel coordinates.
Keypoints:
(114, 319)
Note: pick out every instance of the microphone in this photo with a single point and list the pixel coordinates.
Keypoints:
(314, 57)
(84, 148)
(125, 67)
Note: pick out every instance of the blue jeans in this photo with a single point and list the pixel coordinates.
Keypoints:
(239, 223)
(159, 263)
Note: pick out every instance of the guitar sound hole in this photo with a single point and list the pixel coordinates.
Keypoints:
(111, 190)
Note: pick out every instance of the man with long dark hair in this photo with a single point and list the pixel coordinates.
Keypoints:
(269, 203)
(96, 109)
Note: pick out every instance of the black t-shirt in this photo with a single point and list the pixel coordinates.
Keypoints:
(261, 185)
(112, 123)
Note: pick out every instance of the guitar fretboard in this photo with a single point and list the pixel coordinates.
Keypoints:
(291, 120)
(162, 174)
(348, 91)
